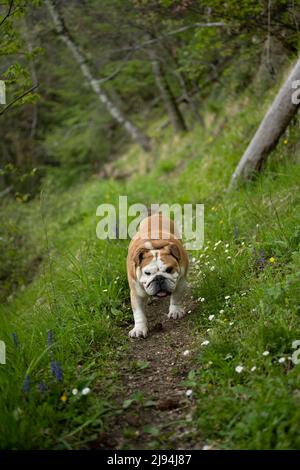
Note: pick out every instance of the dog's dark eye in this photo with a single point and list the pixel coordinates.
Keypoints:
(169, 270)
(147, 273)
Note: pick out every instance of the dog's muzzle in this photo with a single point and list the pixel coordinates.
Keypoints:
(160, 287)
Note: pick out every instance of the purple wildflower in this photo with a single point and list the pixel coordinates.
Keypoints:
(262, 260)
(42, 386)
(50, 337)
(26, 384)
(56, 370)
(15, 339)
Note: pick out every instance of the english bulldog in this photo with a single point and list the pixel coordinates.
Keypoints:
(157, 265)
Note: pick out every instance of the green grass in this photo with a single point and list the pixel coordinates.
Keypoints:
(80, 294)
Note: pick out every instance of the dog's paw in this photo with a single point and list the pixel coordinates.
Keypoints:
(139, 330)
(176, 311)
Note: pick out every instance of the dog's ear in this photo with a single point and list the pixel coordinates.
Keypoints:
(174, 251)
(139, 255)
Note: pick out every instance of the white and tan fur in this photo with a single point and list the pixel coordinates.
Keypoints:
(157, 265)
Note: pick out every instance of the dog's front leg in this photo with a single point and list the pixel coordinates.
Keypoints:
(138, 304)
(176, 309)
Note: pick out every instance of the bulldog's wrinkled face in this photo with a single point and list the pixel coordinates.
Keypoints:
(158, 269)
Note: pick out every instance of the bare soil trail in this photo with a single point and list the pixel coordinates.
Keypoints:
(158, 411)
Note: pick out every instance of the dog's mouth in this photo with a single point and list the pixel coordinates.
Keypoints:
(162, 293)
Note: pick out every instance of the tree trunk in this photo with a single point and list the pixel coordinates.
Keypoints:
(34, 78)
(189, 99)
(168, 98)
(114, 111)
(270, 130)
(186, 95)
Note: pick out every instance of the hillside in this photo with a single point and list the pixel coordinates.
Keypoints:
(66, 321)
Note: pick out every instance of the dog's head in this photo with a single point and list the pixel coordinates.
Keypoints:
(157, 265)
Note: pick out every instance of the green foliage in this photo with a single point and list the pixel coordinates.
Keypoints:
(81, 295)
(65, 132)
(65, 304)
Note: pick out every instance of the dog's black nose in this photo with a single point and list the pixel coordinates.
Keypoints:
(160, 279)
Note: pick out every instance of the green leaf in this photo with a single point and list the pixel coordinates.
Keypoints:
(128, 403)
(151, 430)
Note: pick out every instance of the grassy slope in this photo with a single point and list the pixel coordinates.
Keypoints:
(81, 295)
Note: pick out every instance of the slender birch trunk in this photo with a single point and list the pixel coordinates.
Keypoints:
(167, 96)
(189, 99)
(114, 111)
(184, 88)
(33, 73)
(270, 130)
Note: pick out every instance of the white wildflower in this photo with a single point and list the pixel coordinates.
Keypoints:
(189, 393)
(265, 353)
(74, 391)
(211, 317)
(186, 352)
(212, 268)
(85, 391)
(205, 343)
(253, 368)
(227, 297)
(281, 360)
(222, 311)
(239, 369)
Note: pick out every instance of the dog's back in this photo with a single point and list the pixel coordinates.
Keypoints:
(157, 227)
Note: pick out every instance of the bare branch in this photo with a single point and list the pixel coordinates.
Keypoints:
(8, 13)
(18, 98)
(172, 33)
(196, 25)
(115, 73)
(6, 191)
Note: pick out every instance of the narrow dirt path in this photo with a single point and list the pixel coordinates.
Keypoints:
(158, 412)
